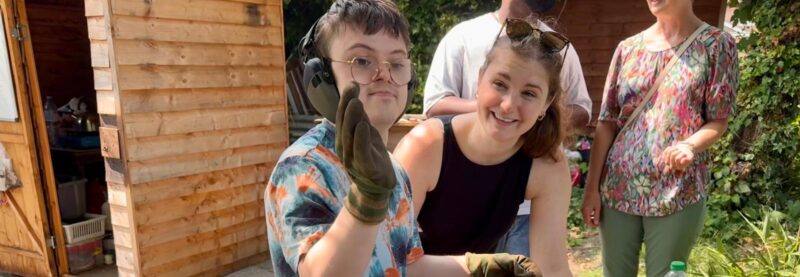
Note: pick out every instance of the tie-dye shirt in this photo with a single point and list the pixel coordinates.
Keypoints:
(700, 87)
(307, 191)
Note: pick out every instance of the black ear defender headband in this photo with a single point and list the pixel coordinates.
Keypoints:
(319, 82)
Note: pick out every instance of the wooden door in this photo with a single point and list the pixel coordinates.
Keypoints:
(24, 228)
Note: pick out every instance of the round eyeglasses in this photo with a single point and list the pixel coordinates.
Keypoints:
(365, 69)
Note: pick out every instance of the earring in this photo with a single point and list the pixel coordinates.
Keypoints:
(540, 117)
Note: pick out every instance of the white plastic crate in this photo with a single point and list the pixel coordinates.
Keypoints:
(93, 227)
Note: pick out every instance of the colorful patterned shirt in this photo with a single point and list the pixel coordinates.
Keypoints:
(307, 191)
(698, 88)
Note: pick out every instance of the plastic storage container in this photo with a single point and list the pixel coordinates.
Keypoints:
(82, 256)
(72, 199)
(92, 227)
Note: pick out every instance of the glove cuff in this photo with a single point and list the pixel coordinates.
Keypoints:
(475, 264)
(365, 207)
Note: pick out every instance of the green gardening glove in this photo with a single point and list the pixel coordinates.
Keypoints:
(361, 150)
(499, 265)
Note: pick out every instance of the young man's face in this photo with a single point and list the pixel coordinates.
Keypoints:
(384, 100)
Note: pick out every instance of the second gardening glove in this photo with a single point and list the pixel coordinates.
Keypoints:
(502, 264)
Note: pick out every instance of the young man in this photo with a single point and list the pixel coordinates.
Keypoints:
(337, 204)
(453, 80)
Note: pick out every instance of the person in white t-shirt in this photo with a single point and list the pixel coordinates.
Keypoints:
(453, 79)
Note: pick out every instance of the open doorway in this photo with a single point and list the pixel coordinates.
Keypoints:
(61, 51)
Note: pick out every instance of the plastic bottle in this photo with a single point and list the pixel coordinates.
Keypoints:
(677, 269)
(51, 120)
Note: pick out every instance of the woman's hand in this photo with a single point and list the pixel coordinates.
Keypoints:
(678, 156)
(591, 207)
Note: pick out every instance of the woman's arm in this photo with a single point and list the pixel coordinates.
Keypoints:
(681, 154)
(550, 206)
(420, 154)
(604, 135)
(718, 105)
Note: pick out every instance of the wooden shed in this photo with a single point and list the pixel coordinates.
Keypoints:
(191, 112)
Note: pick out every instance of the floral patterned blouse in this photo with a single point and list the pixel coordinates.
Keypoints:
(700, 87)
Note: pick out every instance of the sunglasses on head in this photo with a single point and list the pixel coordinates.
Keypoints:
(518, 29)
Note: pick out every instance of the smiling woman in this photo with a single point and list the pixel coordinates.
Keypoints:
(484, 162)
(649, 168)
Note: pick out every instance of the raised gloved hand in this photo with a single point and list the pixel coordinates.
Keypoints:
(502, 264)
(364, 155)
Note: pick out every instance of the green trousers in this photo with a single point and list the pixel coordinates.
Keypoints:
(666, 239)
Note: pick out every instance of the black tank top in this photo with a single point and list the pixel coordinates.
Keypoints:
(472, 205)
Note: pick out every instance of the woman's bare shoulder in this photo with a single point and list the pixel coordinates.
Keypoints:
(424, 137)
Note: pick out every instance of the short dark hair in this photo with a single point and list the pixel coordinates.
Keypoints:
(370, 16)
(546, 136)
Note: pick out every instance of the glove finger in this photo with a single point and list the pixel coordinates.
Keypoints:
(381, 162)
(374, 163)
(369, 162)
(525, 267)
(351, 92)
(353, 115)
(361, 145)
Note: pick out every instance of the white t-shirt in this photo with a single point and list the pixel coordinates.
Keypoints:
(460, 55)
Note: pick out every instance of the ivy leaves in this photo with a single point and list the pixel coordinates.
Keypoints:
(757, 162)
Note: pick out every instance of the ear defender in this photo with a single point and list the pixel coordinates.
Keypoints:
(321, 88)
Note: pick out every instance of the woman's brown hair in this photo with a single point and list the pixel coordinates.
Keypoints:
(546, 136)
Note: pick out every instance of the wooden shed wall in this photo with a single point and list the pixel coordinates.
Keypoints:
(596, 27)
(196, 90)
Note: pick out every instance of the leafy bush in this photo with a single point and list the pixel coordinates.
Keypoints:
(430, 20)
(575, 220)
(298, 16)
(757, 161)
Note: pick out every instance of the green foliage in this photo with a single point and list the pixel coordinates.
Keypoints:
(429, 21)
(756, 162)
(298, 16)
(574, 218)
(769, 250)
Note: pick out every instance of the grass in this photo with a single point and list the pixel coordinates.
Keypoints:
(769, 249)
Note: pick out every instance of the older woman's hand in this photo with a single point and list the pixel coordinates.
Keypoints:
(678, 156)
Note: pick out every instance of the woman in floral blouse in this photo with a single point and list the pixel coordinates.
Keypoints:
(658, 167)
